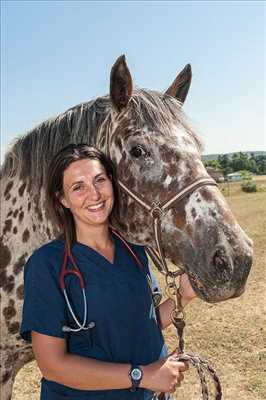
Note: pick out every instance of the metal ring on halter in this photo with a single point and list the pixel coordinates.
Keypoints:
(173, 274)
(156, 211)
(171, 289)
(177, 314)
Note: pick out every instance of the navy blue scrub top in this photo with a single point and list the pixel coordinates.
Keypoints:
(119, 301)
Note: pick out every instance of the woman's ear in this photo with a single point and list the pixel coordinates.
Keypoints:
(61, 198)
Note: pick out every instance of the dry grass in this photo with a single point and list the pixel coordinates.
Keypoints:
(231, 335)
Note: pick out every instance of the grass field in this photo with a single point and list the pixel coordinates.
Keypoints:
(230, 335)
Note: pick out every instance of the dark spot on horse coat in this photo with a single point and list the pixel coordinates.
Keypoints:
(15, 213)
(8, 226)
(6, 377)
(34, 228)
(25, 236)
(15, 230)
(206, 194)
(212, 213)
(194, 213)
(9, 312)
(9, 213)
(18, 266)
(29, 206)
(3, 277)
(48, 232)
(5, 256)
(21, 216)
(132, 227)
(179, 218)
(9, 283)
(20, 292)
(14, 200)
(22, 189)
(8, 196)
(8, 188)
(37, 210)
(39, 214)
(14, 327)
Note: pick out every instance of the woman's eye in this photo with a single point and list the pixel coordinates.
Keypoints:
(77, 188)
(100, 180)
(138, 151)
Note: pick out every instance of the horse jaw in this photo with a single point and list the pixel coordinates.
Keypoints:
(212, 247)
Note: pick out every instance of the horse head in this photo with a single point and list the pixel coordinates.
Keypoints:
(158, 154)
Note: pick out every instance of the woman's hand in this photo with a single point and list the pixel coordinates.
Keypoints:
(185, 289)
(164, 375)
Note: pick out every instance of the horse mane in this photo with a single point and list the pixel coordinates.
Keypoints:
(31, 153)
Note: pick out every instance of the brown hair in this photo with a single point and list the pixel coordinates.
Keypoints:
(61, 215)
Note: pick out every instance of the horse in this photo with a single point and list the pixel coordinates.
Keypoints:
(157, 154)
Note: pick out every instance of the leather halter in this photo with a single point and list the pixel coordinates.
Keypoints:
(157, 211)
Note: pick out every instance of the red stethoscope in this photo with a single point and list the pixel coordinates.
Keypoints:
(76, 272)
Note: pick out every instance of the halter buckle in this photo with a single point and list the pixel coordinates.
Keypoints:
(156, 210)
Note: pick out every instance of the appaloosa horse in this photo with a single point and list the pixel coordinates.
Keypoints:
(157, 154)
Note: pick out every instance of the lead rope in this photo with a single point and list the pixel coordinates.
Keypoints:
(177, 316)
(202, 366)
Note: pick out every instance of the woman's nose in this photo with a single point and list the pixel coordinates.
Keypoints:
(93, 192)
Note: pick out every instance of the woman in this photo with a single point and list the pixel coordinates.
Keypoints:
(116, 350)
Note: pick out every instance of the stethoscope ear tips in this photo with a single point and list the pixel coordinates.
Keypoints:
(66, 328)
(82, 328)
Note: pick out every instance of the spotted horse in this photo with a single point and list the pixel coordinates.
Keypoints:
(157, 154)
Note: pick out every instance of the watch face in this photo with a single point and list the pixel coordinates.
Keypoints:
(136, 374)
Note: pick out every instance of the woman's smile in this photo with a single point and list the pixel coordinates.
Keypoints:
(97, 207)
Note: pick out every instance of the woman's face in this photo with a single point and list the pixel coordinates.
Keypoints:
(88, 193)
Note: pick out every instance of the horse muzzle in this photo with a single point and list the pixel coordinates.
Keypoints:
(225, 278)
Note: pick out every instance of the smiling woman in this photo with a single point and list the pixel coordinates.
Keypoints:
(99, 278)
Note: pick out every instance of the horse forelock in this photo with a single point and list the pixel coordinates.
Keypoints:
(158, 111)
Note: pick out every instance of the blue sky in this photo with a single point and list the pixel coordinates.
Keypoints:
(56, 54)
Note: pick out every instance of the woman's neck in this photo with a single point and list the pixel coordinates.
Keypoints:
(97, 237)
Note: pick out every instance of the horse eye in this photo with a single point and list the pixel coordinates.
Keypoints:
(137, 151)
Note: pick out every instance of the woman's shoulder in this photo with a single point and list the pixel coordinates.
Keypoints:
(50, 248)
(48, 253)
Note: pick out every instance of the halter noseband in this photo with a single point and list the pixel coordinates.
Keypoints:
(157, 211)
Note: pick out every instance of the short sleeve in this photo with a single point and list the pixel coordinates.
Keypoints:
(44, 309)
(156, 291)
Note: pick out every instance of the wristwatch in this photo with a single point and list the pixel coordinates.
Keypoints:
(135, 374)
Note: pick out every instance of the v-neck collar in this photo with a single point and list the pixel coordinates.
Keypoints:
(91, 252)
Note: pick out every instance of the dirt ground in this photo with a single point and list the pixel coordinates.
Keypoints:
(230, 335)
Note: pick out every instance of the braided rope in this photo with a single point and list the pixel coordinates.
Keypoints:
(203, 367)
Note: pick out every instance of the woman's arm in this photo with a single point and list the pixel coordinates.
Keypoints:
(56, 364)
(77, 372)
(164, 309)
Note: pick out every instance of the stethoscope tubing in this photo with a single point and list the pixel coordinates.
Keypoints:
(76, 272)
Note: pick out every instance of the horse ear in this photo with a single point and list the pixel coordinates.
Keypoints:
(180, 87)
(121, 84)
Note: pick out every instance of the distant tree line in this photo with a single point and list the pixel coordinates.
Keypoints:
(253, 163)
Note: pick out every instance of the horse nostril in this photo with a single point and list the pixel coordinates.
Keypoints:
(220, 260)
